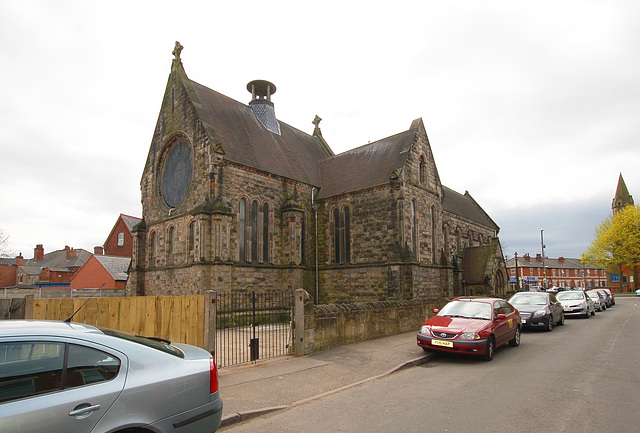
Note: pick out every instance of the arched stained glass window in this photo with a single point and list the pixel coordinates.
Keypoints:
(265, 234)
(434, 239)
(414, 230)
(347, 235)
(423, 171)
(341, 236)
(242, 230)
(336, 236)
(254, 232)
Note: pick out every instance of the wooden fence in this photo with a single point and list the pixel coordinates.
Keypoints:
(180, 319)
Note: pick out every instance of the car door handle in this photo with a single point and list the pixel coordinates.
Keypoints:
(84, 410)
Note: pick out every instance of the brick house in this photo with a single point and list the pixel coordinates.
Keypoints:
(233, 198)
(8, 270)
(104, 272)
(54, 268)
(561, 272)
(120, 240)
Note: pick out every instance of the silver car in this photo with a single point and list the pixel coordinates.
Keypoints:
(576, 303)
(599, 300)
(70, 377)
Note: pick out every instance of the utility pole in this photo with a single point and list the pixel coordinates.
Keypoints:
(517, 273)
(544, 268)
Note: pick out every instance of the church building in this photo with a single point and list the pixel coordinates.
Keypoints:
(235, 199)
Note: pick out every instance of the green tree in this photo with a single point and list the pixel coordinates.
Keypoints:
(617, 242)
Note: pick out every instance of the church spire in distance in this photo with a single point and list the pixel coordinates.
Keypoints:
(622, 197)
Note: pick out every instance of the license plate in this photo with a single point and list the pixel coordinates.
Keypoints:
(442, 343)
(568, 309)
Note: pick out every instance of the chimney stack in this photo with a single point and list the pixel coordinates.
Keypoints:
(19, 260)
(38, 252)
(538, 258)
(98, 251)
(261, 105)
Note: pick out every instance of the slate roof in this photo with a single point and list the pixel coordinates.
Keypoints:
(292, 154)
(465, 206)
(117, 267)
(57, 261)
(296, 155)
(569, 263)
(366, 166)
(130, 221)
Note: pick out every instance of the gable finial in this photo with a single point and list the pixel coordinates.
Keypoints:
(176, 52)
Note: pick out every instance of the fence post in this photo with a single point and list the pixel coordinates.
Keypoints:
(28, 307)
(210, 300)
(300, 295)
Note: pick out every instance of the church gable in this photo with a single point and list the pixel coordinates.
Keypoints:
(420, 167)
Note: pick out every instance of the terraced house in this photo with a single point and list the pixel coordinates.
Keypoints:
(234, 198)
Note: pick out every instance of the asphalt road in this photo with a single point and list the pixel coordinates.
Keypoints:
(582, 377)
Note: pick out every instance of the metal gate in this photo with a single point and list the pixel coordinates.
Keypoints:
(253, 325)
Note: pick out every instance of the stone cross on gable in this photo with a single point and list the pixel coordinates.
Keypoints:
(177, 63)
(177, 50)
(317, 120)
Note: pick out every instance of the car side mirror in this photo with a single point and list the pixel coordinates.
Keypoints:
(501, 316)
(436, 311)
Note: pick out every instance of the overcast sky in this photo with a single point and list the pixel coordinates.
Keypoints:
(531, 106)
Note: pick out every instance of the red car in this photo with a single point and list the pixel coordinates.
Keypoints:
(471, 326)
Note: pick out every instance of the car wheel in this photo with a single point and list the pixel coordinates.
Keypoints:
(491, 347)
(550, 324)
(515, 342)
(561, 322)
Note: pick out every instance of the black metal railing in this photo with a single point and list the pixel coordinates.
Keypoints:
(252, 325)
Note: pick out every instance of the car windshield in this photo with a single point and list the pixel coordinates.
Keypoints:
(529, 299)
(155, 343)
(467, 310)
(593, 295)
(569, 296)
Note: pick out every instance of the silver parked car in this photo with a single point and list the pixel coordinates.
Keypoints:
(599, 299)
(71, 377)
(576, 303)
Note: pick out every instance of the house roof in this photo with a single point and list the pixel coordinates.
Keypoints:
(292, 154)
(466, 206)
(130, 221)
(117, 267)
(559, 263)
(57, 261)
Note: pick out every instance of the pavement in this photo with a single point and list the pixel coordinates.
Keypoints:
(252, 390)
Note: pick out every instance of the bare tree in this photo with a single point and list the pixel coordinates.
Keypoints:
(5, 247)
